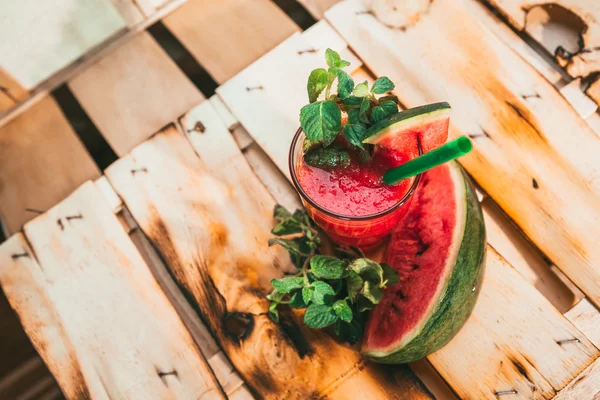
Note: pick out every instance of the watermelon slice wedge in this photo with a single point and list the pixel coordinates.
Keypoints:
(438, 251)
(427, 123)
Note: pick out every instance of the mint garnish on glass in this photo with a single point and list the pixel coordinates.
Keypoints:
(321, 120)
(334, 290)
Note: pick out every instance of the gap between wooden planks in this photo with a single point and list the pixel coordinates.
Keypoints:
(210, 218)
(75, 281)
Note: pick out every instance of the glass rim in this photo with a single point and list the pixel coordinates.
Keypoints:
(306, 197)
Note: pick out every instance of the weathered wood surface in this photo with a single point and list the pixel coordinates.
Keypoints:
(209, 217)
(593, 91)
(225, 36)
(510, 342)
(47, 36)
(317, 7)
(585, 387)
(522, 157)
(129, 10)
(586, 317)
(582, 15)
(134, 91)
(91, 283)
(261, 86)
(41, 162)
(10, 91)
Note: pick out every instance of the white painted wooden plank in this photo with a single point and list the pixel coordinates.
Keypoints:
(518, 138)
(210, 217)
(584, 106)
(585, 387)
(90, 283)
(42, 37)
(586, 317)
(262, 97)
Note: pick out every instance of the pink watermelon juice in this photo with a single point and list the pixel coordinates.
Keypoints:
(351, 203)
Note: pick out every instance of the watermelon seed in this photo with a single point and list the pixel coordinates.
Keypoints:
(505, 392)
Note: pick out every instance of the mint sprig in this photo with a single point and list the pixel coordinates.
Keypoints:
(334, 290)
(321, 120)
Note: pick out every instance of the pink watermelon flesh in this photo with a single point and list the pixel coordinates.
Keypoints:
(419, 249)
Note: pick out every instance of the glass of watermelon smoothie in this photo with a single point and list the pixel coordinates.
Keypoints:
(350, 202)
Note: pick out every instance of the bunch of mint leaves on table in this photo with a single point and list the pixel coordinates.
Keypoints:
(321, 120)
(334, 290)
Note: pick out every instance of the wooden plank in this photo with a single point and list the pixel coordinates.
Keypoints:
(585, 387)
(490, 21)
(317, 7)
(522, 158)
(10, 91)
(228, 35)
(129, 10)
(133, 92)
(148, 7)
(593, 91)
(46, 36)
(535, 16)
(41, 162)
(263, 86)
(506, 345)
(90, 283)
(209, 216)
(586, 318)
(584, 106)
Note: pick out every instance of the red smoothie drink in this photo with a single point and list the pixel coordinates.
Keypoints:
(350, 202)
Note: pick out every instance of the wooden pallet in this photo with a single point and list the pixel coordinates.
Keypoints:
(149, 282)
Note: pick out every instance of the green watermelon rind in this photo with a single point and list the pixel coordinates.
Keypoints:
(404, 119)
(460, 294)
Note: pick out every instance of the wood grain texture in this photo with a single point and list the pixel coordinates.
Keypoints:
(593, 91)
(129, 10)
(277, 77)
(133, 92)
(585, 387)
(510, 342)
(10, 91)
(148, 7)
(226, 36)
(586, 318)
(209, 216)
(582, 104)
(41, 162)
(318, 7)
(90, 283)
(47, 36)
(522, 158)
(577, 62)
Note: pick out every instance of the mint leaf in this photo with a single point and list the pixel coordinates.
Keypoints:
(343, 310)
(364, 304)
(369, 270)
(297, 301)
(345, 84)
(382, 85)
(287, 227)
(317, 82)
(290, 245)
(326, 267)
(280, 213)
(334, 156)
(354, 284)
(362, 89)
(354, 116)
(352, 101)
(389, 97)
(390, 276)
(275, 296)
(319, 316)
(389, 106)
(373, 292)
(307, 293)
(321, 121)
(332, 58)
(378, 113)
(364, 110)
(273, 312)
(354, 134)
(322, 289)
(287, 285)
(351, 331)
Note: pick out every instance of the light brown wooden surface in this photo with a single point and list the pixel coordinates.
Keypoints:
(133, 92)
(594, 91)
(518, 139)
(534, 16)
(129, 10)
(46, 36)
(318, 7)
(210, 217)
(282, 75)
(225, 36)
(41, 162)
(510, 342)
(10, 91)
(585, 387)
(150, 6)
(586, 317)
(95, 312)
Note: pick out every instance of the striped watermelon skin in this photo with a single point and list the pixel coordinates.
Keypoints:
(461, 286)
